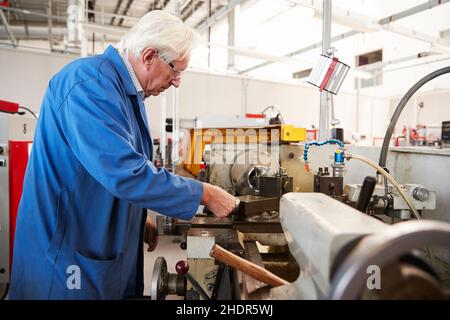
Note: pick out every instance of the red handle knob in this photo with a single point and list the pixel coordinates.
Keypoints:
(182, 267)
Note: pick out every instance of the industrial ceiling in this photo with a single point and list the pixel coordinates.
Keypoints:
(193, 12)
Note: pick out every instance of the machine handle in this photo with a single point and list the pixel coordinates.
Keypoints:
(182, 268)
(247, 267)
(366, 193)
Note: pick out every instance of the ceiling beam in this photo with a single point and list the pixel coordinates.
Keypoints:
(302, 50)
(317, 6)
(105, 29)
(362, 23)
(218, 15)
(63, 19)
(158, 5)
(106, 14)
(20, 15)
(188, 10)
(58, 33)
(125, 12)
(406, 13)
(116, 11)
(32, 13)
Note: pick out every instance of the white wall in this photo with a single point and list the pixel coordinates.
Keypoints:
(436, 108)
(202, 93)
(25, 75)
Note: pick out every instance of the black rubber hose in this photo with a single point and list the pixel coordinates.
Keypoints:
(25, 108)
(399, 109)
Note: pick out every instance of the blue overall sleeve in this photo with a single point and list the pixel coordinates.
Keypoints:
(94, 122)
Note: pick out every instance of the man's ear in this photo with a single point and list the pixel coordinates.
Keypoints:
(148, 55)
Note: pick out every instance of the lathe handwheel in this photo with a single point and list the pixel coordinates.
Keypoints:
(159, 279)
(381, 248)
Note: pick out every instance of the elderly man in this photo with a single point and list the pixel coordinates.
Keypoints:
(90, 178)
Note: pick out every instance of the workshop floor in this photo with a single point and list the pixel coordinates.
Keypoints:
(169, 248)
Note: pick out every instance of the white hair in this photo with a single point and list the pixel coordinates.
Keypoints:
(160, 30)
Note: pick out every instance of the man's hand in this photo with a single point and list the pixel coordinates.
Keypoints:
(150, 235)
(220, 202)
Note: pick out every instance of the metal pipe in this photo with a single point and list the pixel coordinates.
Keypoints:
(74, 14)
(41, 32)
(406, 13)
(177, 9)
(399, 109)
(8, 30)
(231, 37)
(55, 52)
(208, 30)
(50, 25)
(218, 14)
(324, 123)
(83, 38)
(326, 26)
(103, 23)
(105, 14)
(32, 13)
(196, 286)
(162, 129)
(358, 103)
(175, 127)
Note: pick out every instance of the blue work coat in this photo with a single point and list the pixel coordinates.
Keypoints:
(89, 179)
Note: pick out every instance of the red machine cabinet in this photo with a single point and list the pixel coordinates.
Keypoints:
(16, 136)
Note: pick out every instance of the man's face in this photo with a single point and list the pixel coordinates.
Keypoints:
(157, 75)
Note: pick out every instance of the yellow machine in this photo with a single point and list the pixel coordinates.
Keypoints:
(199, 138)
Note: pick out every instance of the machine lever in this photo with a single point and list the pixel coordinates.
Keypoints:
(182, 267)
(366, 193)
(247, 267)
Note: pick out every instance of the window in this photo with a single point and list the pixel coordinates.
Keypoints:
(366, 59)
